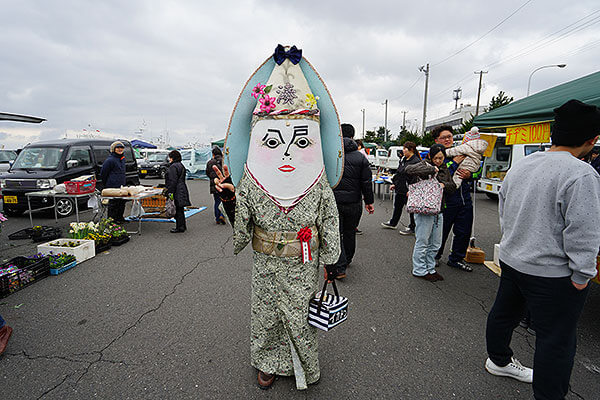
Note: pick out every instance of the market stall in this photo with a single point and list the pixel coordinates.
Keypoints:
(525, 125)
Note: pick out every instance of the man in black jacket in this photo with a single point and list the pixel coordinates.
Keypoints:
(349, 193)
(113, 176)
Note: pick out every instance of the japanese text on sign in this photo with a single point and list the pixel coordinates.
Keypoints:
(538, 133)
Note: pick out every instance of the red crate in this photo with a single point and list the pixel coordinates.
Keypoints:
(80, 187)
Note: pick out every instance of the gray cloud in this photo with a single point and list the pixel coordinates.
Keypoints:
(179, 66)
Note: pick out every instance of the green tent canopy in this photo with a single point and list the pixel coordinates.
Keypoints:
(539, 107)
(369, 145)
(218, 143)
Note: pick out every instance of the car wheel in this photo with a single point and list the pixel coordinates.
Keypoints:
(13, 212)
(64, 207)
(492, 196)
(162, 173)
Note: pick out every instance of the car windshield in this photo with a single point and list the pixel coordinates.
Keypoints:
(38, 158)
(157, 156)
(7, 155)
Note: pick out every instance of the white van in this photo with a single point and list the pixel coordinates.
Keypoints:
(503, 157)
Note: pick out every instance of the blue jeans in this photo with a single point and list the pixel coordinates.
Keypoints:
(428, 234)
(1, 322)
(218, 213)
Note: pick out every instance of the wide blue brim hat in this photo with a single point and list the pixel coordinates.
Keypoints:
(240, 124)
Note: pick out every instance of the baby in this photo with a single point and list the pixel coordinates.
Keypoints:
(472, 148)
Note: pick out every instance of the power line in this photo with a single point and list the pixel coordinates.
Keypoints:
(543, 42)
(548, 40)
(407, 90)
(482, 36)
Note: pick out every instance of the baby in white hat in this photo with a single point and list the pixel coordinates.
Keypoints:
(472, 148)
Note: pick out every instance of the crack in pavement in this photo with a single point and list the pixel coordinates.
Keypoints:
(100, 353)
(575, 393)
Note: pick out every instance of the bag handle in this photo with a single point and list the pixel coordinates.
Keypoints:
(323, 294)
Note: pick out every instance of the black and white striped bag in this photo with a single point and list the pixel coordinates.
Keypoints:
(327, 311)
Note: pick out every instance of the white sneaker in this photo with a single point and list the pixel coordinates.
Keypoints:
(388, 225)
(513, 370)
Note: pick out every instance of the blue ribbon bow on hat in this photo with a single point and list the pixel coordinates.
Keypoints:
(294, 55)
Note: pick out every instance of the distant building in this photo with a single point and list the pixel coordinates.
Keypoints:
(455, 118)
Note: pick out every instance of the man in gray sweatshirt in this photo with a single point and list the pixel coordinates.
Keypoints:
(549, 208)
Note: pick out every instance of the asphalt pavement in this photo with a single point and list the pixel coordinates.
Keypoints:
(167, 316)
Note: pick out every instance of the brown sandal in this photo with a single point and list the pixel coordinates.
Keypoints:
(265, 380)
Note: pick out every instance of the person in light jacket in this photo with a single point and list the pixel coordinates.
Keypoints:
(428, 230)
(177, 190)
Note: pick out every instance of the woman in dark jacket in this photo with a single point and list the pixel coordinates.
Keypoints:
(177, 190)
(428, 230)
(113, 176)
(400, 186)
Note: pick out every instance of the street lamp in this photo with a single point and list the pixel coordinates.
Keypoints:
(537, 69)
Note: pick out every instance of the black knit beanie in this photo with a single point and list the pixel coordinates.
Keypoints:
(574, 123)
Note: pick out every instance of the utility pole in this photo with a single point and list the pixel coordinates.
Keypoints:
(457, 95)
(385, 122)
(479, 90)
(403, 119)
(363, 130)
(426, 71)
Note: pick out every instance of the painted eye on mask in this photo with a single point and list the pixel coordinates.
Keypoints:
(302, 142)
(272, 143)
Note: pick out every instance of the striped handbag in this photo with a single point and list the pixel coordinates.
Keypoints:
(326, 311)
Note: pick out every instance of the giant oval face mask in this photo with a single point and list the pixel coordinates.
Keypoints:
(285, 158)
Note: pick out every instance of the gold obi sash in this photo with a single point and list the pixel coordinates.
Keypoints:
(281, 244)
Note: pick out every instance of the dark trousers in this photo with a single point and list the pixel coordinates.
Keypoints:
(555, 306)
(349, 219)
(460, 221)
(399, 202)
(218, 213)
(180, 218)
(116, 208)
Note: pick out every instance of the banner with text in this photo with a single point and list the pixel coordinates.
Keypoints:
(537, 133)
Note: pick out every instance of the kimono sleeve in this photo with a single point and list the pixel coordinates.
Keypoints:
(243, 227)
(328, 226)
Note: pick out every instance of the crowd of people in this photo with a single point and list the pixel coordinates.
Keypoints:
(549, 208)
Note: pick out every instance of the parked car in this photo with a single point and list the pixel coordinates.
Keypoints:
(156, 164)
(6, 158)
(42, 165)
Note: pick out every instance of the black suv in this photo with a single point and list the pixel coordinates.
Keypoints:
(155, 164)
(41, 165)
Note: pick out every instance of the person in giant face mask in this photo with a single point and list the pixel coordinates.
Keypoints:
(284, 156)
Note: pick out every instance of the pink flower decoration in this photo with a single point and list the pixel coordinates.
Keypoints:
(267, 103)
(258, 91)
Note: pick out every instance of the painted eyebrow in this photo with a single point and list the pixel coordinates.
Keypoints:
(301, 130)
(274, 131)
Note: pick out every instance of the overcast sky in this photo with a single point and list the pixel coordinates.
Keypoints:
(178, 66)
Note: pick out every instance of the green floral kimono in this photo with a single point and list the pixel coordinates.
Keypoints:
(282, 341)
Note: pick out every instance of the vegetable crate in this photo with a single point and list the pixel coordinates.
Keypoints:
(80, 187)
(84, 250)
(154, 202)
(27, 272)
(62, 269)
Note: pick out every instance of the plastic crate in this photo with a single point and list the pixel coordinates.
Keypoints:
(47, 233)
(29, 271)
(62, 269)
(80, 187)
(154, 201)
(84, 251)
